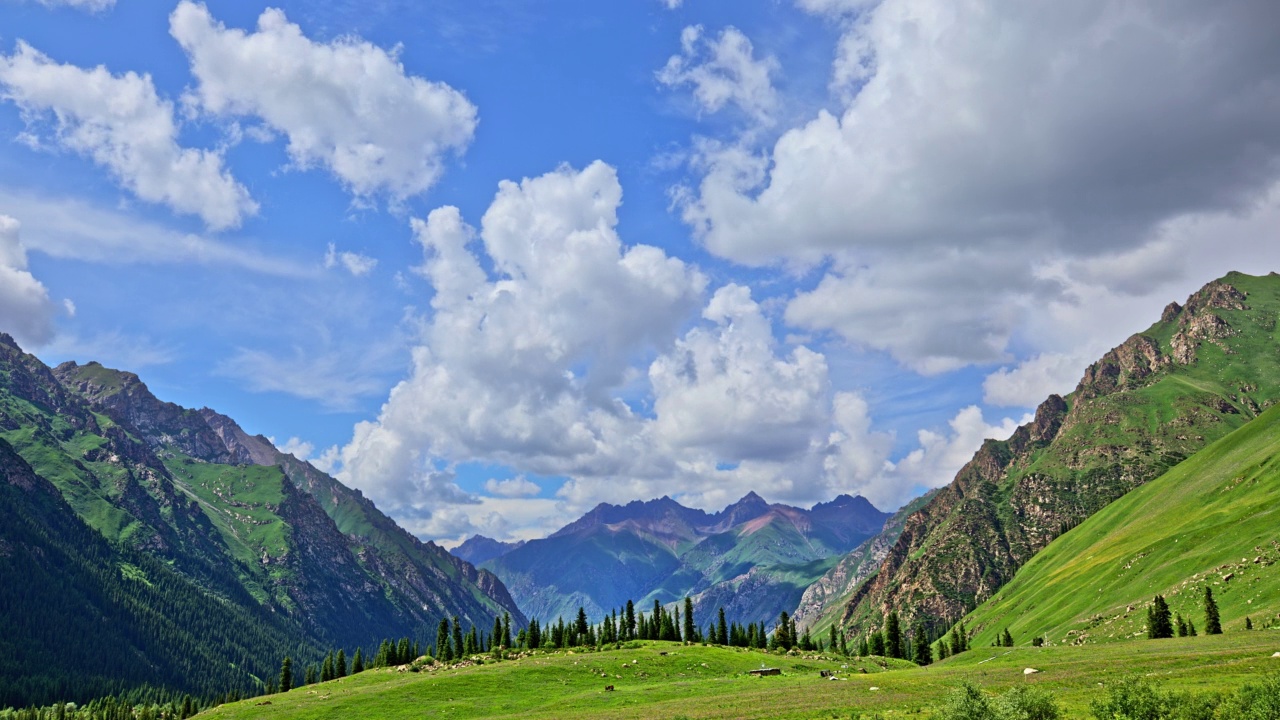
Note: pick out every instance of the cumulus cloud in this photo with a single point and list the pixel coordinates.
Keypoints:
(511, 488)
(346, 105)
(518, 365)
(26, 312)
(1028, 383)
(1080, 134)
(296, 447)
(723, 71)
(122, 124)
(354, 263)
(725, 389)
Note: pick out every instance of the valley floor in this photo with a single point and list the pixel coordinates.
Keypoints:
(667, 680)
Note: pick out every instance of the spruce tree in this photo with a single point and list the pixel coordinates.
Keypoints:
(286, 674)
(893, 636)
(580, 626)
(782, 633)
(630, 621)
(1006, 639)
(864, 649)
(1159, 625)
(877, 644)
(458, 643)
(357, 664)
(831, 640)
(310, 676)
(326, 670)
(1212, 623)
(924, 651)
(443, 653)
(506, 629)
(1191, 628)
(722, 630)
(1181, 625)
(1248, 623)
(340, 664)
(403, 652)
(497, 632)
(690, 627)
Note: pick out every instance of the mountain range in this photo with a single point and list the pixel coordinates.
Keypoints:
(167, 538)
(753, 558)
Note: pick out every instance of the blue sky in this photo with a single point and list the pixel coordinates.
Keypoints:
(493, 265)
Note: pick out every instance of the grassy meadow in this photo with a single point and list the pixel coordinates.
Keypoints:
(668, 680)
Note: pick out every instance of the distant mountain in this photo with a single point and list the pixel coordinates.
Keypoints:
(479, 549)
(219, 522)
(1205, 369)
(753, 558)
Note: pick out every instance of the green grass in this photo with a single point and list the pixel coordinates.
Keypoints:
(711, 682)
(1210, 516)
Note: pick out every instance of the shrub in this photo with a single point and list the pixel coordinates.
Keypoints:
(1026, 703)
(1131, 699)
(1259, 701)
(965, 703)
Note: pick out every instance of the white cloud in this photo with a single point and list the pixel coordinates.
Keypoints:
(723, 71)
(346, 105)
(520, 367)
(511, 488)
(294, 446)
(25, 309)
(89, 5)
(724, 390)
(1028, 383)
(1077, 137)
(122, 124)
(671, 4)
(77, 230)
(355, 263)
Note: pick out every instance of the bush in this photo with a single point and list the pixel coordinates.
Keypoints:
(1026, 703)
(967, 702)
(1131, 699)
(1254, 702)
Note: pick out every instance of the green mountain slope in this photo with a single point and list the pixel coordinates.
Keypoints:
(1202, 371)
(1211, 521)
(185, 501)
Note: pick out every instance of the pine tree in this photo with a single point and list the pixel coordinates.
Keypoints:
(1159, 625)
(326, 670)
(964, 638)
(357, 664)
(893, 636)
(403, 652)
(944, 649)
(1248, 623)
(690, 627)
(1181, 625)
(722, 630)
(877, 644)
(497, 632)
(443, 652)
(1006, 639)
(864, 649)
(458, 643)
(340, 664)
(286, 674)
(924, 651)
(782, 633)
(631, 621)
(844, 647)
(1212, 622)
(831, 641)
(310, 676)
(506, 629)
(1191, 628)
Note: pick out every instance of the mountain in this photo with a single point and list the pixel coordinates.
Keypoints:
(479, 549)
(1209, 522)
(1203, 370)
(824, 600)
(753, 558)
(186, 501)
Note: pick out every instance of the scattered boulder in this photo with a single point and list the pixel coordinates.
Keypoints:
(874, 688)
(1030, 671)
(1277, 655)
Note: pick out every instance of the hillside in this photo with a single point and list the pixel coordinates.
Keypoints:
(1210, 521)
(1203, 370)
(753, 558)
(185, 501)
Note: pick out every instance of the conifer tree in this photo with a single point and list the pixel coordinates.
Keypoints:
(964, 638)
(340, 664)
(310, 676)
(944, 649)
(877, 644)
(1158, 623)
(326, 669)
(286, 675)
(497, 632)
(782, 634)
(1212, 623)
(403, 652)
(458, 643)
(924, 651)
(864, 649)
(443, 652)
(831, 641)
(690, 627)
(1248, 623)
(506, 629)
(722, 630)
(580, 627)
(1181, 625)
(1191, 628)
(844, 647)
(893, 636)
(1006, 639)
(357, 664)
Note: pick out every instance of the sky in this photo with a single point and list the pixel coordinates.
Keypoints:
(493, 263)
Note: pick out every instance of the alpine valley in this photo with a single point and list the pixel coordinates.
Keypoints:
(146, 544)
